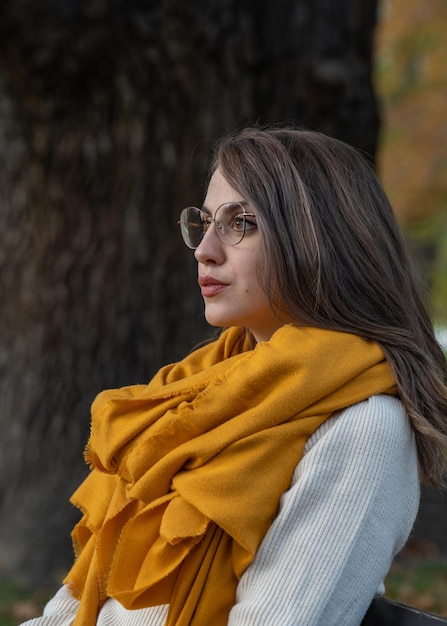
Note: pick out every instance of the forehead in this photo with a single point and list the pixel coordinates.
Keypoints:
(219, 192)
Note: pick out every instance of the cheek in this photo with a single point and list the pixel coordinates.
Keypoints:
(254, 285)
(252, 278)
(259, 272)
(251, 268)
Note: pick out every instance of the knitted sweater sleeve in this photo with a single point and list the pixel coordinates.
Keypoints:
(349, 510)
(60, 611)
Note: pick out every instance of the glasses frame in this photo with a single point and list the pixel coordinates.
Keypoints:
(219, 226)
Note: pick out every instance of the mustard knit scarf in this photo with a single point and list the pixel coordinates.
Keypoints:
(187, 472)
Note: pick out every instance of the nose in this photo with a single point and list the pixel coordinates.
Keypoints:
(211, 248)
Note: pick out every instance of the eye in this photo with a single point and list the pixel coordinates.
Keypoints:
(243, 222)
(250, 221)
(206, 222)
(238, 223)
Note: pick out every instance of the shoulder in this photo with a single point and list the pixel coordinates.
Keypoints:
(372, 440)
(378, 419)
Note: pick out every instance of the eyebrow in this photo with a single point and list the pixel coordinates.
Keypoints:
(244, 203)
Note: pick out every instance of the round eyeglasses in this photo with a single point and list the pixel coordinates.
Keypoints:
(230, 219)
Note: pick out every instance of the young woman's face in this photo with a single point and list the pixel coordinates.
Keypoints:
(228, 274)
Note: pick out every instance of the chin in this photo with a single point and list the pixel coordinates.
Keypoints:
(221, 321)
(217, 323)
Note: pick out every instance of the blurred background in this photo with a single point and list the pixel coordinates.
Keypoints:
(411, 84)
(108, 111)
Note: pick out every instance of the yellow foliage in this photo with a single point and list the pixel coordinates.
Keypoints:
(411, 82)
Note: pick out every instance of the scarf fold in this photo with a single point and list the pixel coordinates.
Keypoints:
(187, 471)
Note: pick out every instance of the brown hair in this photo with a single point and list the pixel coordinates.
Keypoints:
(339, 261)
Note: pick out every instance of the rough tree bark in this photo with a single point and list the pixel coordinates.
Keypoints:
(107, 112)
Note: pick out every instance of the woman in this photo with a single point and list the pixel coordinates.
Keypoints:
(271, 476)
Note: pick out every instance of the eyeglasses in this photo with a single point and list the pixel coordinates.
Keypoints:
(230, 219)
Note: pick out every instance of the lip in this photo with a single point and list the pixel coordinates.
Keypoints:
(210, 286)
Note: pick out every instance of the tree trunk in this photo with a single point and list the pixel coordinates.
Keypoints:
(107, 114)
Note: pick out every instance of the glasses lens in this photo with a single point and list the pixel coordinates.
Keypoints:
(230, 223)
(191, 226)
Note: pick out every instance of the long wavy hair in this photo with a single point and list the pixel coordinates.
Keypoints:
(335, 258)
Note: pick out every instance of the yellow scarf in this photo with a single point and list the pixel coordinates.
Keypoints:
(188, 470)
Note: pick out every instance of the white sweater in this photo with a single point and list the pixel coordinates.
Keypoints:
(350, 508)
